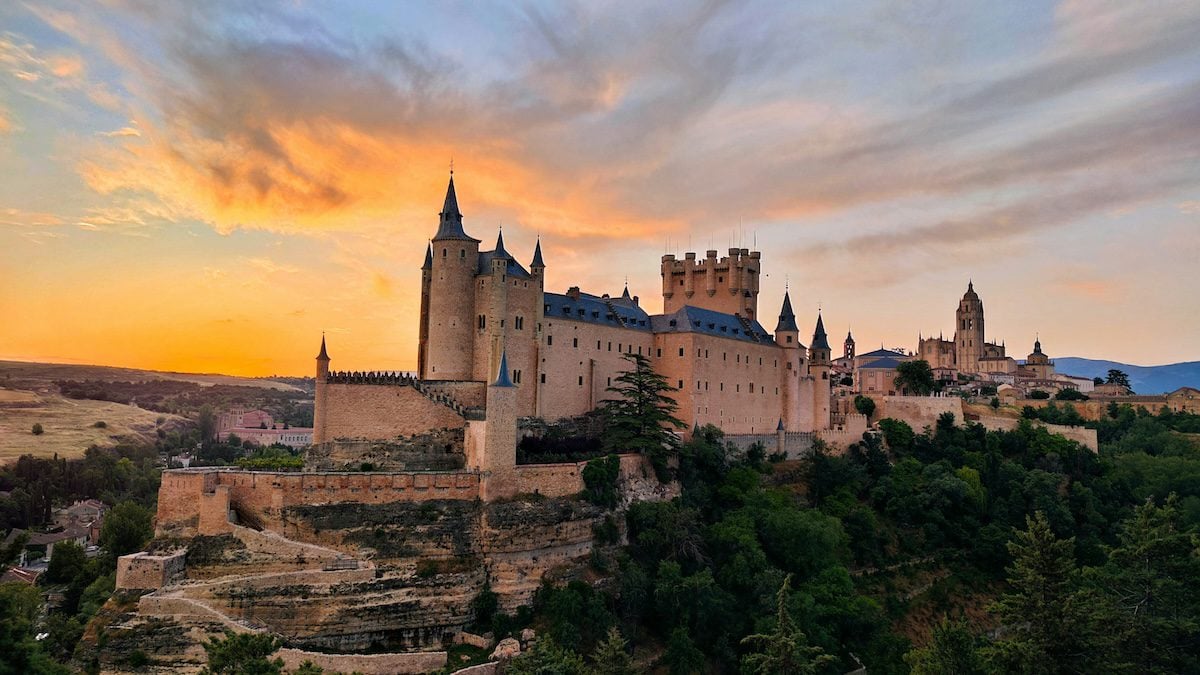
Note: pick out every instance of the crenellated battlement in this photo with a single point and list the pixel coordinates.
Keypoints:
(728, 284)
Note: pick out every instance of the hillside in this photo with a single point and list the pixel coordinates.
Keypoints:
(1145, 379)
(30, 394)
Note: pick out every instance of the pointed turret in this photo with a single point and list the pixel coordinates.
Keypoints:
(450, 226)
(322, 361)
(820, 339)
(502, 377)
(787, 318)
(625, 294)
(500, 252)
(537, 256)
(428, 257)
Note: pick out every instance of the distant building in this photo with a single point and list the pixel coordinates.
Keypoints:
(969, 352)
(257, 426)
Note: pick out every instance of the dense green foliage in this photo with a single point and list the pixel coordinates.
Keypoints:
(864, 405)
(242, 654)
(1080, 572)
(641, 416)
(915, 378)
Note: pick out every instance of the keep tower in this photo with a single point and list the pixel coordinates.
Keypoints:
(448, 298)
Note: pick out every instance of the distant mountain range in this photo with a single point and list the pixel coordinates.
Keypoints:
(1145, 379)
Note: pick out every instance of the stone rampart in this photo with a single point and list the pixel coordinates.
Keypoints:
(919, 411)
(434, 450)
(382, 411)
(467, 393)
(367, 664)
(185, 500)
(550, 480)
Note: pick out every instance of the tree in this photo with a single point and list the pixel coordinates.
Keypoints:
(864, 405)
(915, 377)
(600, 477)
(11, 551)
(785, 650)
(995, 403)
(612, 656)
(1116, 376)
(1038, 394)
(1048, 623)
(19, 652)
(126, 528)
(243, 654)
(1153, 579)
(546, 657)
(953, 650)
(682, 657)
(641, 417)
(37, 429)
(1069, 394)
(1097, 380)
(67, 560)
(206, 420)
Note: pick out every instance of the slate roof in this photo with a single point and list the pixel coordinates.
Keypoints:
(881, 364)
(450, 226)
(594, 309)
(820, 339)
(882, 353)
(514, 267)
(787, 318)
(689, 319)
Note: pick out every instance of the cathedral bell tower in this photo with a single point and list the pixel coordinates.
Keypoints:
(968, 333)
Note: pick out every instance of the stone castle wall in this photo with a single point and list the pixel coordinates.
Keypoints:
(142, 571)
(919, 411)
(367, 664)
(376, 411)
(435, 450)
(190, 497)
(1082, 435)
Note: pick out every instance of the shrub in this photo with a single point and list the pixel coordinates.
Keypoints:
(1038, 394)
(995, 403)
(1071, 395)
(864, 405)
(600, 480)
(101, 424)
(38, 430)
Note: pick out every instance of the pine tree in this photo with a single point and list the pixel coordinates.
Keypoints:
(1153, 580)
(611, 656)
(953, 650)
(785, 650)
(1048, 624)
(641, 417)
(546, 657)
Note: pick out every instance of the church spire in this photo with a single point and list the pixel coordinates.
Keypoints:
(323, 356)
(787, 318)
(428, 257)
(450, 226)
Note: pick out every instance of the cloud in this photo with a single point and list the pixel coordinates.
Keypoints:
(609, 126)
(1189, 207)
(6, 123)
(270, 266)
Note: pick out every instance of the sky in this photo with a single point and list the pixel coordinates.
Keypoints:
(209, 186)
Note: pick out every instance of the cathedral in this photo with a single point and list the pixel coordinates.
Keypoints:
(969, 353)
(486, 319)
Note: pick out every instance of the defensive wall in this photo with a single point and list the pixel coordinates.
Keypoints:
(357, 410)
(1097, 408)
(918, 411)
(143, 571)
(199, 501)
(367, 664)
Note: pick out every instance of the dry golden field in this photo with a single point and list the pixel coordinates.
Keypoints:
(28, 396)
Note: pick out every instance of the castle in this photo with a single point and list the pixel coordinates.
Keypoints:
(494, 346)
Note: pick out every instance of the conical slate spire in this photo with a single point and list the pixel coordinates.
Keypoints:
(450, 226)
(537, 255)
(428, 257)
(820, 340)
(323, 356)
(502, 378)
(787, 318)
(500, 252)
(625, 295)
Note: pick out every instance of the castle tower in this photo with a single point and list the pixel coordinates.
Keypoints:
(449, 302)
(968, 334)
(728, 285)
(495, 310)
(498, 460)
(423, 327)
(818, 367)
(848, 347)
(319, 398)
(787, 336)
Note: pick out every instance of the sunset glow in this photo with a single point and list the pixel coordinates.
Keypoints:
(210, 186)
